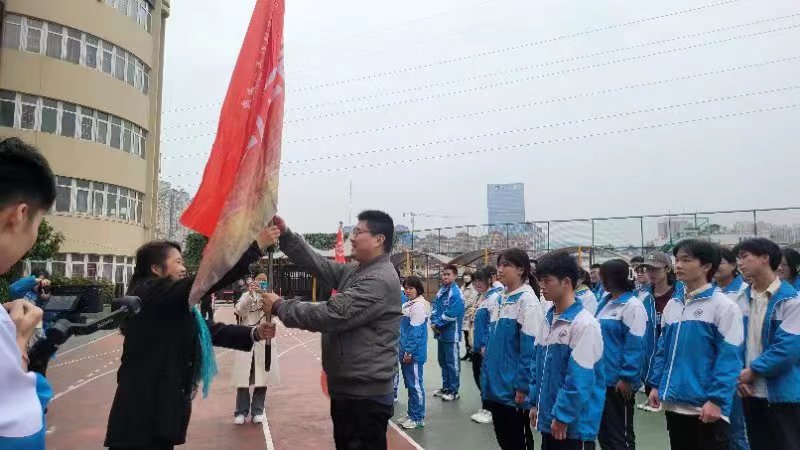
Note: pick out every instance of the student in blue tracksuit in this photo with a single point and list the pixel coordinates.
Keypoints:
(403, 300)
(584, 294)
(731, 283)
(699, 353)
(488, 301)
(568, 388)
(644, 292)
(414, 350)
(623, 321)
(508, 364)
(597, 284)
(447, 319)
(789, 267)
(770, 383)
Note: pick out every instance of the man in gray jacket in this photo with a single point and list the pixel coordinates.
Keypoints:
(360, 327)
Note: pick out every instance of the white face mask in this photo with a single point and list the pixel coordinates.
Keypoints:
(467, 279)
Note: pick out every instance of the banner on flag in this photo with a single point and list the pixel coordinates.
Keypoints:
(238, 195)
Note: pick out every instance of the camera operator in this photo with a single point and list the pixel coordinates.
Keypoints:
(27, 191)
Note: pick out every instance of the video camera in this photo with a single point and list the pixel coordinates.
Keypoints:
(79, 312)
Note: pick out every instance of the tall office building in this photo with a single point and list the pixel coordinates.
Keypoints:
(81, 80)
(506, 203)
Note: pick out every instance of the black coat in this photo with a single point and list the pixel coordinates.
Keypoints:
(155, 384)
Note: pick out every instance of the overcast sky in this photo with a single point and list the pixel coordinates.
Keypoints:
(484, 92)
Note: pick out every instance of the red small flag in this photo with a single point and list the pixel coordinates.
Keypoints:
(339, 249)
(238, 195)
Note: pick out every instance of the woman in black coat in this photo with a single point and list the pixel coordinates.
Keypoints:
(161, 355)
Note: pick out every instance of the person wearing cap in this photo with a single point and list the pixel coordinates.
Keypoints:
(661, 274)
(644, 292)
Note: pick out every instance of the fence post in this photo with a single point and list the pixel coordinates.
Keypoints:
(507, 232)
(755, 223)
(593, 234)
(439, 241)
(641, 231)
(548, 236)
(695, 225)
(412, 238)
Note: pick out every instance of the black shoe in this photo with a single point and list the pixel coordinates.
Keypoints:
(467, 357)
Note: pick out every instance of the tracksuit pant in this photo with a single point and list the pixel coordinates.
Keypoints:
(616, 425)
(738, 425)
(512, 427)
(412, 377)
(686, 432)
(477, 365)
(772, 426)
(550, 443)
(450, 363)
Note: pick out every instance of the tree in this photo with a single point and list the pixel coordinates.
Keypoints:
(193, 253)
(47, 244)
(321, 241)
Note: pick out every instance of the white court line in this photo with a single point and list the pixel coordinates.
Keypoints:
(76, 386)
(267, 434)
(88, 343)
(301, 343)
(405, 435)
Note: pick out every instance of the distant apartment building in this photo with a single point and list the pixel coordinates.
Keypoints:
(506, 203)
(171, 204)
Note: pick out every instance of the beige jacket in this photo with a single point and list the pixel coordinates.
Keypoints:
(249, 309)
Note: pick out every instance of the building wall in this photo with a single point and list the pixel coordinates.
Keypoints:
(506, 203)
(172, 202)
(115, 150)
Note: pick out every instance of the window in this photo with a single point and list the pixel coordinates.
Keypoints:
(139, 203)
(63, 194)
(99, 191)
(68, 118)
(149, 26)
(119, 66)
(82, 198)
(119, 269)
(34, 33)
(8, 106)
(55, 39)
(108, 58)
(143, 144)
(74, 46)
(111, 211)
(92, 44)
(139, 75)
(102, 128)
(108, 267)
(87, 123)
(12, 34)
(126, 136)
(28, 115)
(146, 81)
(122, 6)
(116, 132)
(141, 19)
(78, 266)
(110, 3)
(49, 116)
(123, 203)
(131, 69)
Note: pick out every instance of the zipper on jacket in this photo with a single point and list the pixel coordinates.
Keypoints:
(674, 350)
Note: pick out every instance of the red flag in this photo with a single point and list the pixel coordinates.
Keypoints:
(339, 249)
(238, 195)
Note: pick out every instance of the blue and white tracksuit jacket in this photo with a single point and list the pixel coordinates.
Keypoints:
(509, 362)
(483, 316)
(645, 295)
(414, 341)
(569, 383)
(736, 292)
(623, 322)
(587, 298)
(699, 352)
(447, 314)
(779, 362)
(23, 395)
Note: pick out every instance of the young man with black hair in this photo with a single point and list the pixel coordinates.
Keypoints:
(447, 318)
(597, 285)
(360, 327)
(770, 381)
(27, 191)
(568, 388)
(699, 353)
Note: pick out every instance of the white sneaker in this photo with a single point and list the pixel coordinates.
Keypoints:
(411, 424)
(646, 407)
(450, 396)
(482, 416)
(259, 418)
(402, 418)
(239, 420)
(439, 392)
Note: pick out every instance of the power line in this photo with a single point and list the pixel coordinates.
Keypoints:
(550, 141)
(531, 144)
(527, 79)
(520, 106)
(521, 130)
(481, 54)
(546, 64)
(531, 44)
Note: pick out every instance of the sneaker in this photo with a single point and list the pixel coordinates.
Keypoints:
(259, 418)
(439, 392)
(482, 416)
(450, 396)
(402, 418)
(411, 424)
(646, 407)
(239, 420)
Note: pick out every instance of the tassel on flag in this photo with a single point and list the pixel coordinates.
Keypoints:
(238, 195)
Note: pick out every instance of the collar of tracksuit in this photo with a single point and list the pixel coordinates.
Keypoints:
(568, 315)
(704, 292)
(734, 286)
(773, 287)
(524, 288)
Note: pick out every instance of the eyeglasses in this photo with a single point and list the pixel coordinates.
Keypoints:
(356, 231)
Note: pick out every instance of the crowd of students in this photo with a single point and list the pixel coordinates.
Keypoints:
(710, 335)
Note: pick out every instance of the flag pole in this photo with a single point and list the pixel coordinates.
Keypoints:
(268, 314)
